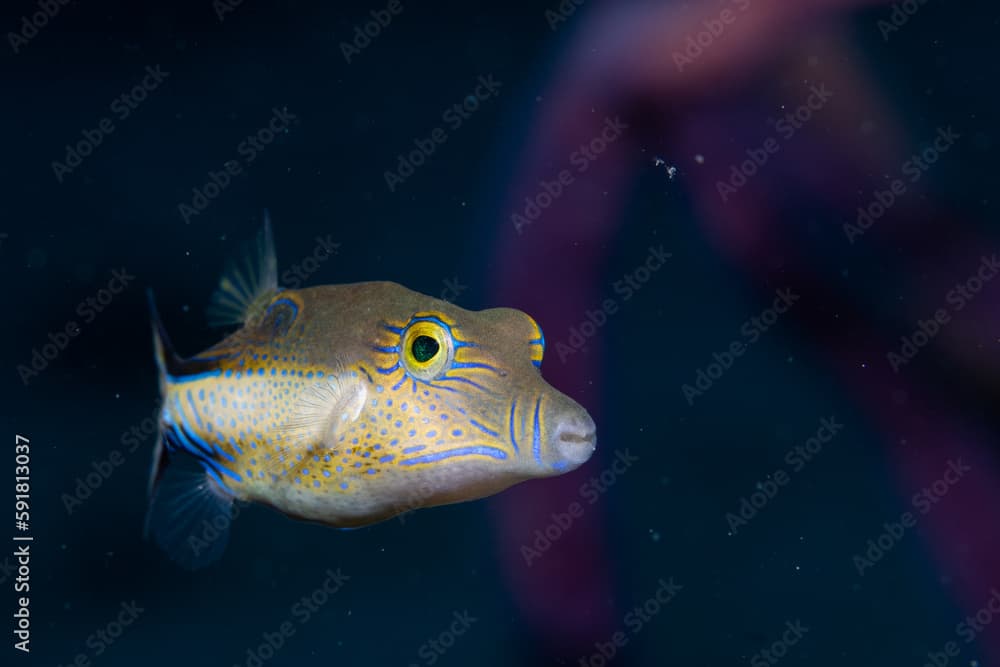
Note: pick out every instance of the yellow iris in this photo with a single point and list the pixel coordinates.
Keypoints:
(426, 349)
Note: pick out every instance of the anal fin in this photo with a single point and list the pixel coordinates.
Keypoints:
(189, 516)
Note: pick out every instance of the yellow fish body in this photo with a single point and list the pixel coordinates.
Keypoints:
(349, 404)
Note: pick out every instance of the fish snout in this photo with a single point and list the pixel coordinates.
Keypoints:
(573, 439)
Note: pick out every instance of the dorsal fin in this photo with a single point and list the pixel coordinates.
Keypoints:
(248, 282)
(167, 361)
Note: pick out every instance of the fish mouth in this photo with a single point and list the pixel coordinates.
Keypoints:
(574, 440)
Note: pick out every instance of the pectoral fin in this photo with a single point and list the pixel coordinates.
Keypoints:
(319, 420)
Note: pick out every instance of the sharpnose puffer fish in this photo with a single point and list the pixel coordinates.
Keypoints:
(347, 405)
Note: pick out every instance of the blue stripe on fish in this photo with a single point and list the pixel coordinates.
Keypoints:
(177, 379)
(221, 468)
(465, 380)
(483, 428)
(194, 409)
(175, 443)
(216, 477)
(180, 436)
(442, 387)
(207, 456)
(493, 452)
(190, 445)
(284, 302)
(447, 327)
(475, 364)
(513, 440)
(536, 442)
(224, 453)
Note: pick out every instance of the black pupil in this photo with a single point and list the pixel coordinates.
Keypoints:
(424, 348)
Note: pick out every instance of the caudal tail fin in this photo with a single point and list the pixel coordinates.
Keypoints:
(166, 362)
(188, 514)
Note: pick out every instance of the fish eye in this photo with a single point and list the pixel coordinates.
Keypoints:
(426, 349)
